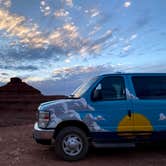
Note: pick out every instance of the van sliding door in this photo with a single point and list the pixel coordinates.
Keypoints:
(150, 107)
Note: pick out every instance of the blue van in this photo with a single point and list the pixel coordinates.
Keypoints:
(113, 110)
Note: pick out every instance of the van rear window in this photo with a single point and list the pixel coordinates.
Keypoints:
(150, 87)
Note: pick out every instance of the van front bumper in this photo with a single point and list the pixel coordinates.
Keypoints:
(42, 136)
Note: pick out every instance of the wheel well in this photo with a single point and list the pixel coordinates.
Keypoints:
(74, 123)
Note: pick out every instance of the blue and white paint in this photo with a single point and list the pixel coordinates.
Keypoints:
(70, 110)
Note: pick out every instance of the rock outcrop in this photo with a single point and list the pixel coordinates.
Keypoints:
(18, 91)
(19, 102)
(17, 87)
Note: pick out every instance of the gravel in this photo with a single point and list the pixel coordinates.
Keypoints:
(17, 148)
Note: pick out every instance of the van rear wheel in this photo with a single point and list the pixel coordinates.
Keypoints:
(71, 144)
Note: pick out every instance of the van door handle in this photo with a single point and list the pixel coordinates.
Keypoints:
(129, 113)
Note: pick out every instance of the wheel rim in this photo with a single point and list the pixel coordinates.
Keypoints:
(72, 144)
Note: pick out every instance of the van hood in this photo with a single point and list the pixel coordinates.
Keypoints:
(65, 104)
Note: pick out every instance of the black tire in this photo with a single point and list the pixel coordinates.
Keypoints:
(66, 134)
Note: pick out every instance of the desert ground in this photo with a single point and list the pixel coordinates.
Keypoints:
(17, 148)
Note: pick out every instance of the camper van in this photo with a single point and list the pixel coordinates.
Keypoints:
(113, 110)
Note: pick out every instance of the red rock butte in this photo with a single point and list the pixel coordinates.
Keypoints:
(17, 90)
(17, 87)
(19, 102)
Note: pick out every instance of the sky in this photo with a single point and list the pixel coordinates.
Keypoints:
(55, 45)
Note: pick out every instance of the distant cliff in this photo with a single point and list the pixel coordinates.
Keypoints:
(18, 91)
(19, 102)
(17, 87)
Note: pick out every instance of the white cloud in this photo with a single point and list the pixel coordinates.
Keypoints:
(95, 30)
(133, 36)
(61, 13)
(126, 48)
(42, 3)
(67, 37)
(16, 26)
(46, 10)
(66, 72)
(69, 3)
(94, 12)
(67, 60)
(45, 7)
(127, 4)
(33, 79)
(5, 4)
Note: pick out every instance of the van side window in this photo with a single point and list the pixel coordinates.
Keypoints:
(110, 88)
(150, 87)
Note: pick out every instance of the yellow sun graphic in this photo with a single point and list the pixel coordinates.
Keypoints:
(137, 123)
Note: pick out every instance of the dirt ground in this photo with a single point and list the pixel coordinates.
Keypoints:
(17, 148)
(16, 117)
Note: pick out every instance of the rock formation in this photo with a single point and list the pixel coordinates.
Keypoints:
(19, 102)
(17, 87)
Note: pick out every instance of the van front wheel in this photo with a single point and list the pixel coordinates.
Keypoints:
(71, 144)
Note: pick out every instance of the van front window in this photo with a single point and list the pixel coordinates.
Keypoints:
(83, 88)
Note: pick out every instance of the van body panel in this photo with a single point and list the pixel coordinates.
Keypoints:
(149, 114)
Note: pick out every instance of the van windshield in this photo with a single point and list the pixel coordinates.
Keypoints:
(83, 88)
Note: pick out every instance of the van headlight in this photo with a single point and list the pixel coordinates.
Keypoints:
(43, 119)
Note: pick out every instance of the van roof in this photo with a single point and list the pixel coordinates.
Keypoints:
(133, 74)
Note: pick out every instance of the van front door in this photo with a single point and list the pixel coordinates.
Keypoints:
(113, 114)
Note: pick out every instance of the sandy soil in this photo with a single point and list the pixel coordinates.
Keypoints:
(17, 148)
(16, 117)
